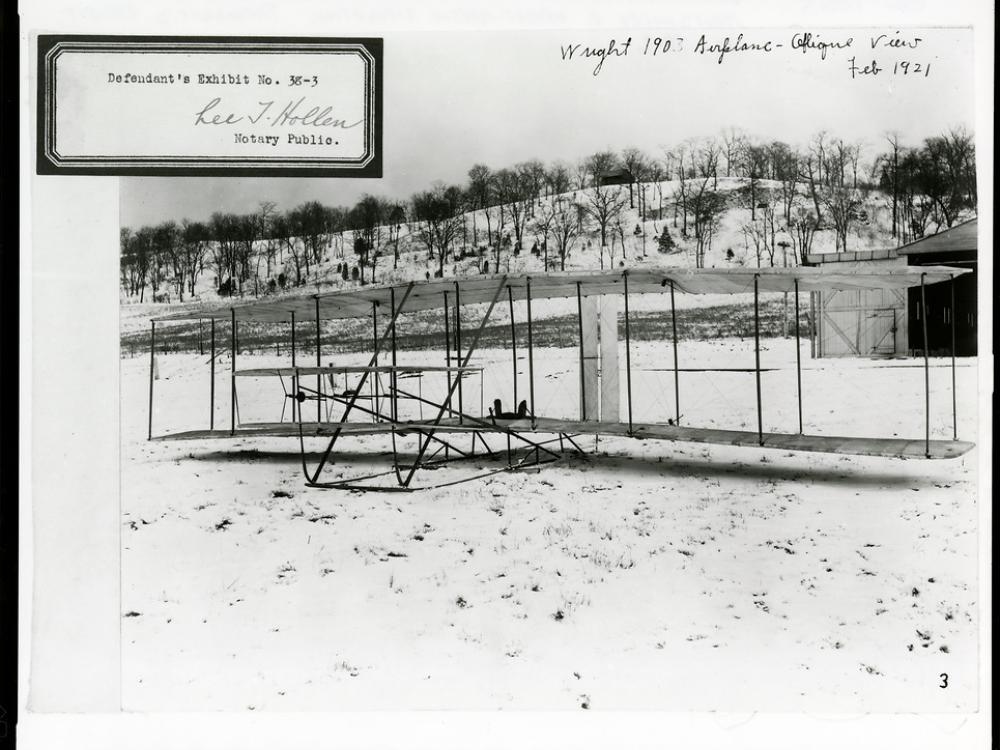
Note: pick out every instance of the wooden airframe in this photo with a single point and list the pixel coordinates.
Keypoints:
(525, 434)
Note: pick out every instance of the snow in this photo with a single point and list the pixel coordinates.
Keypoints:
(647, 575)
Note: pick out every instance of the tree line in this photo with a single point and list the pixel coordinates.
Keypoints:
(791, 194)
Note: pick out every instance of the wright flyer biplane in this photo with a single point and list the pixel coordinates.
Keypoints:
(330, 402)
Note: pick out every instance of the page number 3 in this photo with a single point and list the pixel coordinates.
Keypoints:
(944, 680)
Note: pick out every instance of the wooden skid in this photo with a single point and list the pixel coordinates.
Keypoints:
(854, 446)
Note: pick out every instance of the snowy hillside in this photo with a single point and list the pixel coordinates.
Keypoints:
(631, 242)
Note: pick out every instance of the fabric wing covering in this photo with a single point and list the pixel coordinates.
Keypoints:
(428, 295)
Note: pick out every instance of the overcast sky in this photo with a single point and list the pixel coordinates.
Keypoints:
(455, 99)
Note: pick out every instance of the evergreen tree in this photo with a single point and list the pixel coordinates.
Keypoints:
(665, 243)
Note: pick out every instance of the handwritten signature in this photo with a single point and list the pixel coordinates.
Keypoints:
(293, 113)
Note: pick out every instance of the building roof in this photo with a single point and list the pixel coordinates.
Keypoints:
(851, 257)
(961, 238)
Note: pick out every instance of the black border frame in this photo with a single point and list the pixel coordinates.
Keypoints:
(148, 167)
(10, 438)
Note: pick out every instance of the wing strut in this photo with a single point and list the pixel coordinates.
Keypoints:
(677, 386)
(628, 357)
(232, 373)
(954, 402)
(319, 378)
(531, 356)
(211, 390)
(798, 354)
(152, 363)
(756, 349)
(927, 368)
(579, 317)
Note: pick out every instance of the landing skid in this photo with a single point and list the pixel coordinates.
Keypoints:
(531, 459)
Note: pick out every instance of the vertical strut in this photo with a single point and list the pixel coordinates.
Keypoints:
(152, 362)
(756, 349)
(296, 405)
(583, 389)
(628, 357)
(513, 343)
(211, 392)
(375, 349)
(954, 394)
(531, 355)
(232, 373)
(447, 349)
(393, 403)
(319, 378)
(798, 354)
(927, 369)
(677, 382)
(813, 335)
(458, 350)
(447, 358)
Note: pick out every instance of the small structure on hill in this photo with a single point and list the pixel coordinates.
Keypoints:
(620, 176)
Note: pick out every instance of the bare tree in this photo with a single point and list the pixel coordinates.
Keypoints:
(811, 172)
(947, 174)
(558, 179)
(366, 219)
(761, 234)
(754, 236)
(732, 148)
(636, 163)
(706, 159)
(565, 229)
(754, 161)
(657, 174)
(397, 217)
(222, 228)
(785, 165)
(267, 211)
(311, 222)
(840, 203)
(135, 250)
(286, 230)
(802, 229)
(707, 206)
(164, 238)
(677, 157)
(189, 255)
(543, 225)
(888, 166)
(438, 212)
(581, 174)
(604, 204)
(247, 233)
(480, 196)
(532, 176)
(512, 188)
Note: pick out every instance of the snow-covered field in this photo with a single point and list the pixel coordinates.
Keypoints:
(648, 575)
